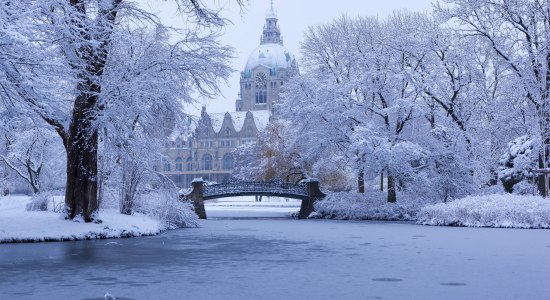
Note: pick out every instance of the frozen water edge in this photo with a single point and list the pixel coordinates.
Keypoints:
(287, 258)
(19, 225)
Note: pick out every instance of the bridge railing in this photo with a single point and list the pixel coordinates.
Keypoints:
(234, 186)
(308, 192)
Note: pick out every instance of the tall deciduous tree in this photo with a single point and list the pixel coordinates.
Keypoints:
(80, 38)
(518, 33)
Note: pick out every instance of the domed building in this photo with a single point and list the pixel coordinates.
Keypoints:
(207, 153)
(267, 68)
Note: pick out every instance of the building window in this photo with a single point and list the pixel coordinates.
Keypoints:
(167, 167)
(261, 97)
(207, 162)
(228, 162)
(179, 164)
(189, 163)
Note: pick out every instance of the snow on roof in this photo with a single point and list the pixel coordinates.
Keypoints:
(184, 129)
(261, 119)
(217, 121)
(273, 56)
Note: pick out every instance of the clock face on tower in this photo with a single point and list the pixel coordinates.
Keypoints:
(261, 80)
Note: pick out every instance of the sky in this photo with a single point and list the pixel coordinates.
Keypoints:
(295, 17)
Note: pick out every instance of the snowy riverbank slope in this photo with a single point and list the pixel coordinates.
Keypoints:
(19, 225)
(496, 210)
(368, 206)
(509, 211)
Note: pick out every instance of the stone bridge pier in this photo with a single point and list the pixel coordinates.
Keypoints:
(308, 192)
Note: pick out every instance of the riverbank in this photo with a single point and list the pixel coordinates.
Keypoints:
(19, 225)
(494, 210)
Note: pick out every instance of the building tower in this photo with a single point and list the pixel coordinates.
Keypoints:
(208, 152)
(267, 68)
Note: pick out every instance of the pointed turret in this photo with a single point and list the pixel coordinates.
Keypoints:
(271, 33)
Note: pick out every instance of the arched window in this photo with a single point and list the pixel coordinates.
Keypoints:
(167, 167)
(228, 162)
(179, 164)
(261, 97)
(189, 163)
(207, 162)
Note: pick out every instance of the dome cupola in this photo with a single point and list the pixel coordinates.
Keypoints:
(271, 53)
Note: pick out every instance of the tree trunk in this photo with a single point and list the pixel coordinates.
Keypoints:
(361, 181)
(81, 190)
(392, 195)
(382, 181)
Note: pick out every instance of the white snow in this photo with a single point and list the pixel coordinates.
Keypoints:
(495, 210)
(510, 211)
(273, 56)
(247, 207)
(261, 119)
(19, 225)
(369, 206)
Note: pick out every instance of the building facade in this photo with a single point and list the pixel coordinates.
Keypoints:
(208, 152)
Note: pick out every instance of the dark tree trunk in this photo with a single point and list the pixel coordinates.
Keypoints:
(81, 190)
(392, 195)
(382, 181)
(81, 195)
(540, 182)
(127, 206)
(361, 181)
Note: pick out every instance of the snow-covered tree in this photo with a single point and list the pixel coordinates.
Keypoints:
(516, 163)
(517, 33)
(67, 63)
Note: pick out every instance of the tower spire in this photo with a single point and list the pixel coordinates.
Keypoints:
(271, 33)
(271, 14)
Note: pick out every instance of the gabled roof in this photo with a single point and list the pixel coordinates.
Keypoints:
(260, 119)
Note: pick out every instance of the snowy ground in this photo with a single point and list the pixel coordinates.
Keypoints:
(509, 211)
(247, 207)
(493, 210)
(19, 225)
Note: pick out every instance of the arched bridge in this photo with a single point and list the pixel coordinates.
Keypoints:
(308, 192)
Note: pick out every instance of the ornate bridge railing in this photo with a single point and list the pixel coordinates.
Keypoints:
(308, 192)
(235, 187)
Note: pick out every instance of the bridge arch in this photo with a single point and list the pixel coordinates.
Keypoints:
(308, 192)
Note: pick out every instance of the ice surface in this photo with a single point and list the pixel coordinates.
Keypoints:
(284, 259)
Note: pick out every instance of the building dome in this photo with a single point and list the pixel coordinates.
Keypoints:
(273, 56)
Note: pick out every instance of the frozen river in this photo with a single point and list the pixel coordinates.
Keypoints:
(278, 258)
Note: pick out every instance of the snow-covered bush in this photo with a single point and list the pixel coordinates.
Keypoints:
(167, 208)
(39, 202)
(490, 211)
(514, 165)
(369, 206)
(47, 201)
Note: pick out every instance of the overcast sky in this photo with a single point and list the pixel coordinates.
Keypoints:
(295, 16)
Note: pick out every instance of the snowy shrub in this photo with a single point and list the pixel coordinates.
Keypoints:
(369, 206)
(39, 202)
(167, 208)
(490, 211)
(50, 200)
(515, 164)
